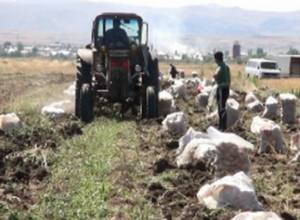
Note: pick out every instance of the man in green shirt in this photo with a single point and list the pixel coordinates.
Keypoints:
(222, 78)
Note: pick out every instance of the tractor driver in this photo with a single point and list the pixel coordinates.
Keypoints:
(116, 36)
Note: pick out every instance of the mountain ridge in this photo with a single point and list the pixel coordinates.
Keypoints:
(72, 20)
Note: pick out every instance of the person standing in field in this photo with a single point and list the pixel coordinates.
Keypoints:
(173, 71)
(222, 77)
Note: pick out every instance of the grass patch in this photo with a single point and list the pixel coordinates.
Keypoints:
(255, 81)
(296, 92)
(84, 181)
(33, 100)
(282, 84)
(277, 191)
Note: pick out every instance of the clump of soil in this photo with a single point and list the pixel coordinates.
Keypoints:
(161, 165)
(24, 157)
(68, 127)
(155, 190)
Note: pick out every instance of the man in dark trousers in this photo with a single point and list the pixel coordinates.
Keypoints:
(222, 78)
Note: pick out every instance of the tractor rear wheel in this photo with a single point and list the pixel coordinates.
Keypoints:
(86, 103)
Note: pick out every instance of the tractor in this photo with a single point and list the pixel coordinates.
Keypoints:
(117, 66)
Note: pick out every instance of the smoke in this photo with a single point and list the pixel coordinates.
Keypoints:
(169, 35)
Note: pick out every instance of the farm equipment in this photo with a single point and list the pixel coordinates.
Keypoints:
(117, 66)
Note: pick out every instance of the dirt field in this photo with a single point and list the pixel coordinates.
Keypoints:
(25, 86)
(19, 77)
(112, 168)
(276, 182)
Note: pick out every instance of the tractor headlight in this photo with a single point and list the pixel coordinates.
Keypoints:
(103, 49)
(138, 68)
(134, 47)
(98, 68)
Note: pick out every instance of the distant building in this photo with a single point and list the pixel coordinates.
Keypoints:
(289, 65)
(176, 57)
(198, 56)
(11, 50)
(236, 50)
(162, 55)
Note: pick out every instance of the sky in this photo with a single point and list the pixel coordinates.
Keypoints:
(261, 5)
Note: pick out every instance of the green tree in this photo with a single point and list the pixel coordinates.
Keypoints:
(35, 51)
(293, 51)
(20, 46)
(260, 53)
(7, 44)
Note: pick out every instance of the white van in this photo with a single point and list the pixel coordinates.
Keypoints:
(262, 68)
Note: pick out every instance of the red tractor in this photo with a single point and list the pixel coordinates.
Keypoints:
(117, 66)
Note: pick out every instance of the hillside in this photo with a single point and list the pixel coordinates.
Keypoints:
(70, 21)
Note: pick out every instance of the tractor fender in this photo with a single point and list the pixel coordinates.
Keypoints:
(86, 55)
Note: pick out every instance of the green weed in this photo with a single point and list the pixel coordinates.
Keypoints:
(81, 186)
(296, 92)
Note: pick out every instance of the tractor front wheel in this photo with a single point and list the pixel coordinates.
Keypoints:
(151, 102)
(86, 103)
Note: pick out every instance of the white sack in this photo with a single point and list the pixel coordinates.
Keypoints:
(207, 82)
(194, 74)
(166, 103)
(175, 124)
(235, 191)
(269, 133)
(288, 102)
(70, 90)
(212, 97)
(295, 142)
(201, 101)
(196, 151)
(271, 108)
(255, 106)
(226, 158)
(56, 109)
(296, 159)
(232, 152)
(178, 89)
(192, 84)
(223, 137)
(233, 112)
(227, 153)
(233, 94)
(207, 89)
(187, 137)
(9, 122)
(250, 97)
(231, 159)
(257, 216)
(212, 115)
(181, 73)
